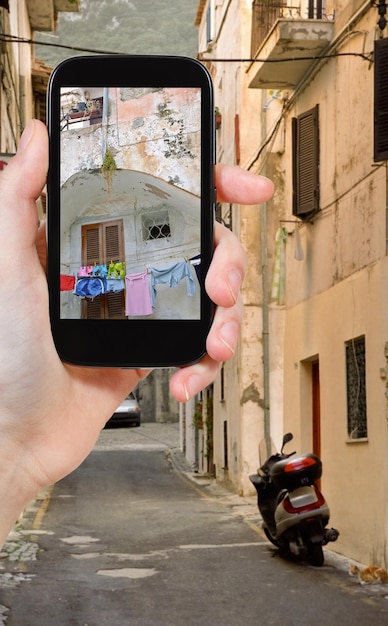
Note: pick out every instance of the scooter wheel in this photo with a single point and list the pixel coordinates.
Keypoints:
(315, 554)
(270, 538)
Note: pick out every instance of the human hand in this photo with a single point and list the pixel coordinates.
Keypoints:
(51, 413)
(223, 283)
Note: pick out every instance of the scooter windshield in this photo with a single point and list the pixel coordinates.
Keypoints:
(266, 449)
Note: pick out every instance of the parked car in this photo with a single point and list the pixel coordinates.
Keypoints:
(127, 414)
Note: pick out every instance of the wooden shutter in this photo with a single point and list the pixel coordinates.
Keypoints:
(92, 251)
(305, 162)
(381, 100)
(113, 241)
(103, 243)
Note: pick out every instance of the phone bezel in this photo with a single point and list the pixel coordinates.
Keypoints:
(140, 343)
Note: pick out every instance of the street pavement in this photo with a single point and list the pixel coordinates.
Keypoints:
(135, 537)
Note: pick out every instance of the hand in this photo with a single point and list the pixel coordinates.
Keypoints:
(51, 413)
(223, 282)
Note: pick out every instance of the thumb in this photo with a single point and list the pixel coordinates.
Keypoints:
(21, 183)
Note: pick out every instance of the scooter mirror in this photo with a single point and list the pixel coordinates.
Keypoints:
(286, 438)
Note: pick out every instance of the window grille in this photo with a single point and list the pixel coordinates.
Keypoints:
(356, 388)
(156, 225)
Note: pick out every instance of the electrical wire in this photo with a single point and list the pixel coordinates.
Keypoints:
(365, 56)
(6, 37)
(272, 135)
(368, 56)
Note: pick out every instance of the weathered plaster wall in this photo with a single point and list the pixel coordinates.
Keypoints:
(156, 132)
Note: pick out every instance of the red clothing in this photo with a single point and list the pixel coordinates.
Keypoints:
(66, 282)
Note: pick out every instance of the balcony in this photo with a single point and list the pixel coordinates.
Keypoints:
(281, 32)
(43, 13)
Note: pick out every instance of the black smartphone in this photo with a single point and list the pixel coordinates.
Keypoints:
(130, 209)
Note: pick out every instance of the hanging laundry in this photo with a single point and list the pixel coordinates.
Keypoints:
(90, 287)
(298, 250)
(116, 270)
(100, 270)
(138, 296)
(115, 284)
(279, 275)
(85, 271)
(66, 283)
(196, 263)
(172, 275)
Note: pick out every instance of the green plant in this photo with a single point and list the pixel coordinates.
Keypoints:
(199, 423)
(108, 168)
(197, 415)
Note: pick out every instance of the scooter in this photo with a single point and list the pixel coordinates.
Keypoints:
(294, 512)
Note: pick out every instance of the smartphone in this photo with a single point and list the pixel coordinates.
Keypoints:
(130, 209)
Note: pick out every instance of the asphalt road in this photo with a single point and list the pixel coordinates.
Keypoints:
(127, 539)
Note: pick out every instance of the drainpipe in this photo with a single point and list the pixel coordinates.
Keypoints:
(265, 322)
(265, 296)
(386, 208)
(104, 127)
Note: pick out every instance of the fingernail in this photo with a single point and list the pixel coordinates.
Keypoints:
(234, 283)
(228, 335)
(193, 385)
(26, 136)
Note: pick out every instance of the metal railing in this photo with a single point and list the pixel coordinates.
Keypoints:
(266, 12)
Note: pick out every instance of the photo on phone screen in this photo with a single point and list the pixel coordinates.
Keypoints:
(130, 178)
(130, 202)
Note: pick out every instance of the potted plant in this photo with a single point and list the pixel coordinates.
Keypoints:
(218, 117)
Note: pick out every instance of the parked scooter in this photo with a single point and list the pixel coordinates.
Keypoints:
(295, 513)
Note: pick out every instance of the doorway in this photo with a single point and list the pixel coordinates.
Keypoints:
(103, 243)
(316, 410)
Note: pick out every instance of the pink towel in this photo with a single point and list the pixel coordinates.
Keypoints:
(138, 297)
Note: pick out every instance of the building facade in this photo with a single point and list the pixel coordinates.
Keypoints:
(24, 78)
(303, 98)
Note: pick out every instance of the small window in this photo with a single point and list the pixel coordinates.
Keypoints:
(381, 100)
(222, 384)
(156, 225)
(305, 164)
(356, 388)
(226, 460)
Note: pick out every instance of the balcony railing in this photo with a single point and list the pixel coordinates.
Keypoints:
(266, 12)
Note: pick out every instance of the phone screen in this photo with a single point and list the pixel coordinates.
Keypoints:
(131, 180)
(130, 202)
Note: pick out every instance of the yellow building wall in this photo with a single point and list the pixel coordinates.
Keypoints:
(354, 472)
(337, 292)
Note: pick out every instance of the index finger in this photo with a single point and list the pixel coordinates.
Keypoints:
(240, 186)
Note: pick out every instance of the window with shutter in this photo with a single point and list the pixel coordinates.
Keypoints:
(356, 388)
(381, 100)
(103, 243)
(305, 163)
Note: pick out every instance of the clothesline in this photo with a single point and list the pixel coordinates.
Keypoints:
(195, 260)
(140, 287)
